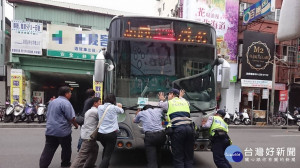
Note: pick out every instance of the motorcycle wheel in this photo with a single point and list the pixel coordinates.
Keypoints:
(283, 121)
(28, 119)
(16, 119)
(247, 122)
(7, 118)
(236, 122)
(40, 119)
(298, 123)
(227, 121)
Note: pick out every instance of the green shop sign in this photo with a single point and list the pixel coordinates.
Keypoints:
(72, 55)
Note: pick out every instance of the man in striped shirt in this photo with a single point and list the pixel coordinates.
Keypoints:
(155, 136)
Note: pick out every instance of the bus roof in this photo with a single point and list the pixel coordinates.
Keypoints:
(159, 17)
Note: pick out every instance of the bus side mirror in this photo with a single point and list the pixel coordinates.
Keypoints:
(99, 67)
(225, 77)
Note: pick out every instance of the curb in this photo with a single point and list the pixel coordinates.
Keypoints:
(261, 127)
(22, 125)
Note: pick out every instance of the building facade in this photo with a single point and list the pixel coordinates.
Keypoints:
(286, 57)
(55, 44)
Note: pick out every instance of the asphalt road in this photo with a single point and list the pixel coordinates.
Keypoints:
(21, 148)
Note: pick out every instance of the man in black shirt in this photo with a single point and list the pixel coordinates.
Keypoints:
(88, 103)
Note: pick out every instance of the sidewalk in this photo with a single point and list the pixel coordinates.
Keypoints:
(263, 127)
(22, 125)
(43, 125)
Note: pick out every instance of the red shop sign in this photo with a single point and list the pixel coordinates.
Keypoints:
(283, 95)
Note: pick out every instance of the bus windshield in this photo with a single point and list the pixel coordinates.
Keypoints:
(147, 66)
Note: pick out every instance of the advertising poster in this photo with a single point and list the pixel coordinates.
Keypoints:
(17, 88)
(26, 37)
(258, 54)
(38, 97)
(223, 16)
(74, 43)
(98, 88)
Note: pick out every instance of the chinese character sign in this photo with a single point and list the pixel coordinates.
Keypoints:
(223, 16)
(72, 42)
(98, 88)
(258, 54)
(17, 88)
(26, 37)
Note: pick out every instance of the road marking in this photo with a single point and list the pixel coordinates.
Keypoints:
(285, 135)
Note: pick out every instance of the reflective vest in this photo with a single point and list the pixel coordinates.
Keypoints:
(178, 112)
(219, 124)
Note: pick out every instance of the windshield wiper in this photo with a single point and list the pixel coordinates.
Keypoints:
(197, 108)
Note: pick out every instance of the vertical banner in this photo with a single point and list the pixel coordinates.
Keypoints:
(283, 95)
(98, 87)
(38, 97)
(17, 88)
(258, 55)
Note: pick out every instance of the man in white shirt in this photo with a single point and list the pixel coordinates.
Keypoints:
(88, 152)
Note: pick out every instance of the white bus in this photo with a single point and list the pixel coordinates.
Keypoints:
(148, 55)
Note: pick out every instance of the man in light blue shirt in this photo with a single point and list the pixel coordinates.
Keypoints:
(155, 136)
(60, 117)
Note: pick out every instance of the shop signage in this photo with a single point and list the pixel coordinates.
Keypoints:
(17, 88)
(258, 53)
(98, 88)
(280, 86)
(258, 10)
(256, 83)
(265, 94)
(26, 37)
(223, 15)
(250, 96)
(283, 95)
(72, 42)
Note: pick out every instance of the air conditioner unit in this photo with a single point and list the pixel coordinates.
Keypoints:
(297, 80)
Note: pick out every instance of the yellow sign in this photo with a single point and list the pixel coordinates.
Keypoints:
(17, 88)
(98, 87)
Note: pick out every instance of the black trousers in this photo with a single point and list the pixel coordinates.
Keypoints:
(219, 145)
(108, 142)
(51, 145)
(153, 143)
(182, 143)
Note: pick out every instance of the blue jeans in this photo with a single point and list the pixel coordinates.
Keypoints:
(182, 143)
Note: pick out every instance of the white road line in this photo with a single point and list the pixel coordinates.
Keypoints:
(285, 135)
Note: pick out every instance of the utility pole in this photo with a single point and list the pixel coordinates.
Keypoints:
(273, 88)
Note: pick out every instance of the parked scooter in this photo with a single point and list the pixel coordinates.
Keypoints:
(287, 118)
(30, 112)
(9, 112)
(19, 112)
(244, 117)
(229, 118)
(41, 113)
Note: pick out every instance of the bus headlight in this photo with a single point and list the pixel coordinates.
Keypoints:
(122, 133)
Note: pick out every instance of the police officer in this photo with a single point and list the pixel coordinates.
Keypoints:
(220, 140)
(182, 137)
